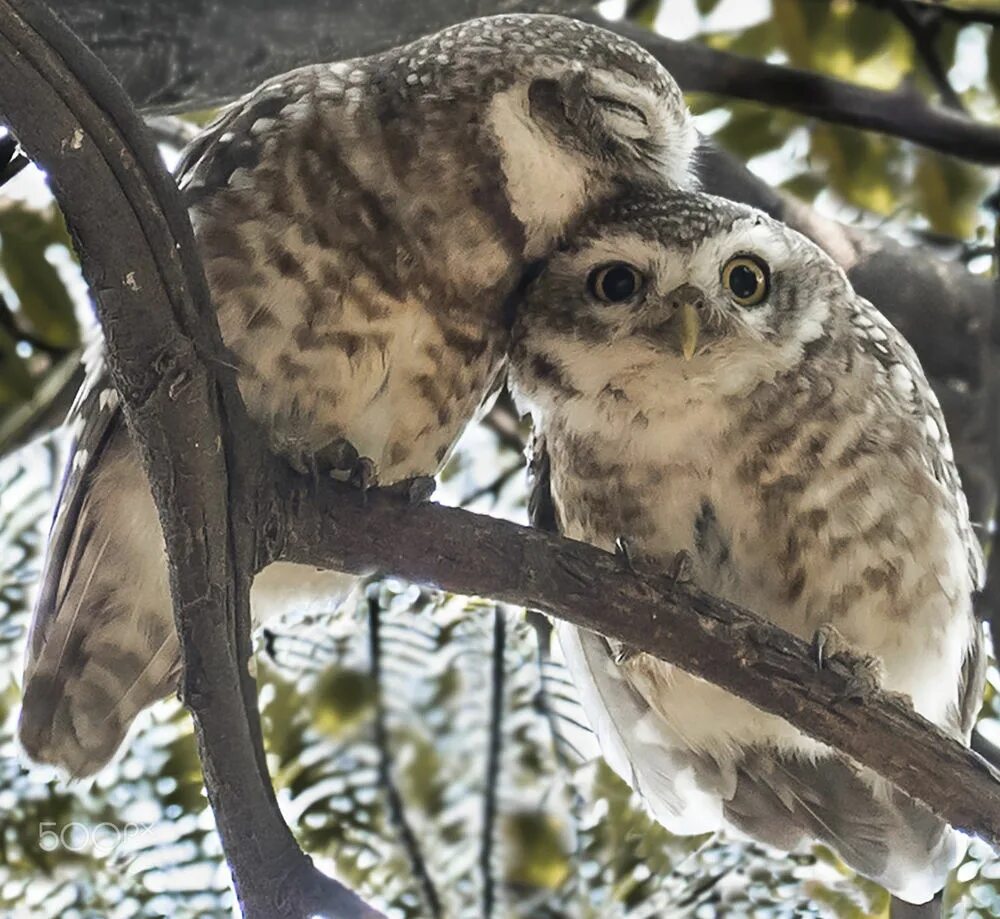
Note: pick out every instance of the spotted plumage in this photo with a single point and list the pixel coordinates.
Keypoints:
(364, 227)
(703, 380)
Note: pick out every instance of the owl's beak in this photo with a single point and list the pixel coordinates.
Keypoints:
(690, 327)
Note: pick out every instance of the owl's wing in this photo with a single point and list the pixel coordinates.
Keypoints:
(93, 420)
(904, 378)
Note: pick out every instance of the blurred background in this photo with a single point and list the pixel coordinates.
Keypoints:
(428, 749)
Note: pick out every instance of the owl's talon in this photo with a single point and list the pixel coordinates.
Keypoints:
(681, 567)
(621, 653)
(416, 490)
(827, 642)
(364, 475)
(867, 673)
(623, 552)
(866, 669)
(340, 460)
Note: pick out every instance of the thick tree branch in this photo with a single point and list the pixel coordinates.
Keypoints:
(138, 255)
(190, 55)
(328, 525)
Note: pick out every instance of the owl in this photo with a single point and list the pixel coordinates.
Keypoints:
(704, 383)
(364, 228)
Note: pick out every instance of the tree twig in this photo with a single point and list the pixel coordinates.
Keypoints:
(138, 254)
(922, 24)
(397, 810)
(494, 753)
(962, 14)
(903, 113)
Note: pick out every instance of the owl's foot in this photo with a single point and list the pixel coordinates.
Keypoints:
(340, 460)
(827, 642)
(621, 653)
(681, 567)
(867, 671)
(416, 490)
(678, 570)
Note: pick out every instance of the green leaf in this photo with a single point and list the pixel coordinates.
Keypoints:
(46, 306)
(752, 130)
(947, 191)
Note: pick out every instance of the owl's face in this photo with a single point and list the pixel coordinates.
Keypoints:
(569, 110)
(671, 287)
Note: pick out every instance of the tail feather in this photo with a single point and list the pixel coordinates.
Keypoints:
(782, 798)
(103, 645)
(877, 830)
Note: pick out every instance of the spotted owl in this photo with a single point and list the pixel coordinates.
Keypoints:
(704, 382)
(364, 228)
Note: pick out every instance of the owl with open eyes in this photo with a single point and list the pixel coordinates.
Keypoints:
(704, 383)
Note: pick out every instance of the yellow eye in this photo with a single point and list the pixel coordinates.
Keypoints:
(615, 283)
(747, 279)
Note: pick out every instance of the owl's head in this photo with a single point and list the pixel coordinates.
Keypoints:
(664, 287)
(567, 109)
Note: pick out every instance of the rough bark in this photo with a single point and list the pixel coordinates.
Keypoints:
(196, 54)
(138, 255)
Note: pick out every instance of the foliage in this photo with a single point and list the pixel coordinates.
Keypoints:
(569, 840)
(859, 42)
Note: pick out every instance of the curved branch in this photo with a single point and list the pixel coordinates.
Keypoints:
(329, 525)
(139, 257)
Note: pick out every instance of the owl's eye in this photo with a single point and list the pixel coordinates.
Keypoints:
(622, 109)
(614, 283)
(746, 277)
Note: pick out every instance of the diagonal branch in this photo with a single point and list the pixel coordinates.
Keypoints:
(903, 113)
(138, 255)
(326, 525)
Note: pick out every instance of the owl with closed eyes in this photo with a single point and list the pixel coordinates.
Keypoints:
(704, 383)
